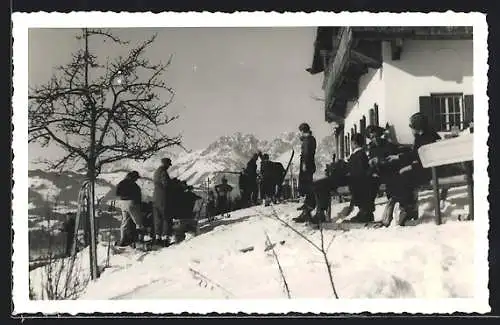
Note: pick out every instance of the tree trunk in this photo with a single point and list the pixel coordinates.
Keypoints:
(94, 270)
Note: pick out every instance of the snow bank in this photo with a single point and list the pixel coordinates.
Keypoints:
(424, 261)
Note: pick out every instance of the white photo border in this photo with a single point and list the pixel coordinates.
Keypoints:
(23, 21)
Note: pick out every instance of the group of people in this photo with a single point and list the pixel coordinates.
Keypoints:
(172, 198)
(367, 167)
(270, 182)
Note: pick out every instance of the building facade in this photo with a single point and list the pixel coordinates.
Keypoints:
(382, 75)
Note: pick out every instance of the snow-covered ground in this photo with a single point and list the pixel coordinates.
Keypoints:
(420, 261)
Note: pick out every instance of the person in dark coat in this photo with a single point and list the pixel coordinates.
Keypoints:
(162, 210)
(251, 179)
(68, 228)
(403, 183)
(307, 170)
(223, 191)
(272, 174)
(360, 181)
(244, 191)
(211, 209)
(130, 199)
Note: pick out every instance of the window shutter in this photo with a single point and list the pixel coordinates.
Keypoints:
(468, 110)
(425, 103)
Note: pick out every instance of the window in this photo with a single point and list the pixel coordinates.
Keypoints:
(376, 120)
(448, 111)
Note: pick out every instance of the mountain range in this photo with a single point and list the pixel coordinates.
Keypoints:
(198, 168)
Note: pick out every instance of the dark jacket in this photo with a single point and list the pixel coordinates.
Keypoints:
(381, 151)
(358, 165)
(129, 190)
(251, 170)
(161, 181)
(308, 152)
(412, 158)
(272, 171)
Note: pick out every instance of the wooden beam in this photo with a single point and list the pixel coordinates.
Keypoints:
(396, 49)
(365, 59)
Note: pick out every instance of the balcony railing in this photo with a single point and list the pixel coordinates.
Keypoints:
(337, 63)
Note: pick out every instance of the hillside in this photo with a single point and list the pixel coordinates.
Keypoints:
(421, 260)
(228, 153)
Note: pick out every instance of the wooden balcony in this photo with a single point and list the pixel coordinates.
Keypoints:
(349, 60)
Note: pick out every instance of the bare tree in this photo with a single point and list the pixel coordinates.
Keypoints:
(103, 113)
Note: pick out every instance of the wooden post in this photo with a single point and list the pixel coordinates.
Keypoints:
(436, 195)
(469, 170)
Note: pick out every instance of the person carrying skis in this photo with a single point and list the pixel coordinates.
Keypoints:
(129, 194)
(162, 210)
(403, 183)
(307, 170)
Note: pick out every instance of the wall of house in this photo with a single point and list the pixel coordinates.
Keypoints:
(371, 91)
(425, 67)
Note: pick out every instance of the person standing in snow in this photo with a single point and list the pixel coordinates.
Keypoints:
(211, 209)
(307, 170)
(223, 190)
(129, 194)
(162, 211)
(403, 183)
(251, 179)
(69, 229)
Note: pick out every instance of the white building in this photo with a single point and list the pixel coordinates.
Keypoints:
(382, 75)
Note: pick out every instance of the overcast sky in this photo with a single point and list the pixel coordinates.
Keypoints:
(226, 80)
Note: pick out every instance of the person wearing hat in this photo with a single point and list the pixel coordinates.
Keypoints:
(307, 170)
(130, 199)
(411, 174)
(162, 212)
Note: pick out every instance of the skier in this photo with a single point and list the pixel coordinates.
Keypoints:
(307, 170)
(223, 200)
(403, 183)
(162, 201)
(251, 179)
(129, 194)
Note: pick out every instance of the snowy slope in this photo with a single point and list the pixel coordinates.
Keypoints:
(420, 261)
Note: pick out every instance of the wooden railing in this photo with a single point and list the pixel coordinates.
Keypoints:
(337, 63)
